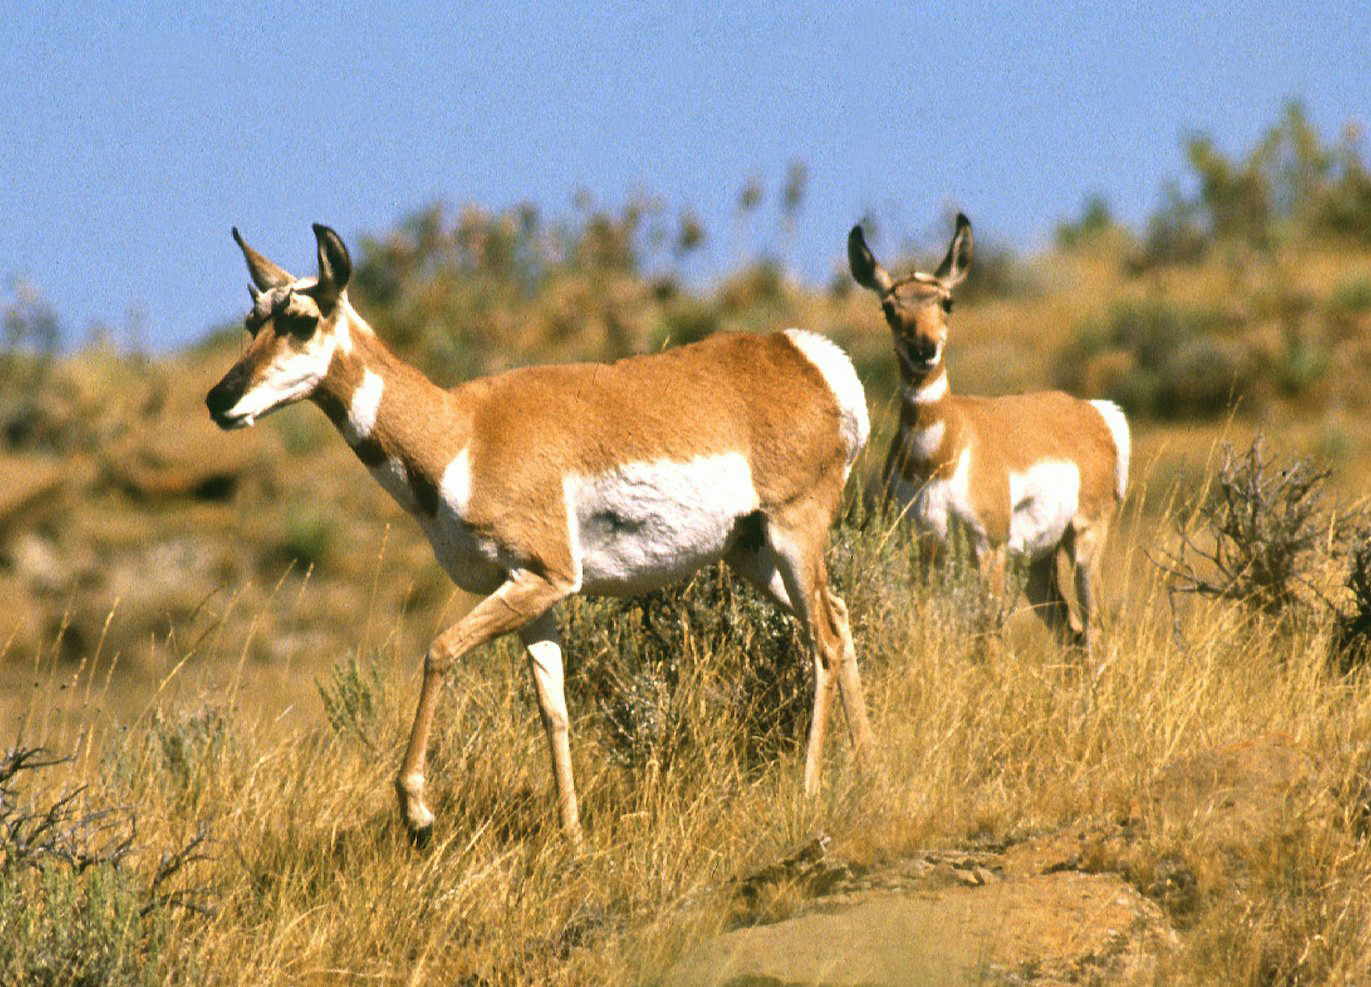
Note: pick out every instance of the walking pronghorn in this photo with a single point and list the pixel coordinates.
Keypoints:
(539, 483)
(1030, 475)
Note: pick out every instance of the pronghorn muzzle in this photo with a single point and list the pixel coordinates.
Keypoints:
(921, 353)
(227, 393)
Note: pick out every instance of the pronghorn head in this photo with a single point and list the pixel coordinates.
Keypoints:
(297, 324)
(917, 306)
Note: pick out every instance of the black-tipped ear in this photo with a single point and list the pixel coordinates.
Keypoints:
(263, 272)
(335, 267)
(955, 266)
(866, 270)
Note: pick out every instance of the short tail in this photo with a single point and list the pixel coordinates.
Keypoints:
(842, 380)
(1118, 428)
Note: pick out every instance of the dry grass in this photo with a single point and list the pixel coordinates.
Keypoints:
(985, 734)
(182, 671)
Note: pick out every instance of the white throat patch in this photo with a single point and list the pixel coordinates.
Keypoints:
(365, 406)
(934, 390)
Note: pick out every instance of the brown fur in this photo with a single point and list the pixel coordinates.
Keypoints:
(1006, 435)
(526, 430)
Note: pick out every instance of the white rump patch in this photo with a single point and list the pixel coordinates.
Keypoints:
(642, 525)
(365, 406)
(1043, 499)
(842, 380)
(1118, 427)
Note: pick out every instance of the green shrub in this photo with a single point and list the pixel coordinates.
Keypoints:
(73, 910)
(354, 696)
(662, 668)
(307, 534)
(1163, 360)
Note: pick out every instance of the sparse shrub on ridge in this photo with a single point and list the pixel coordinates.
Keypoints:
(1159, 359)
(1266, 536)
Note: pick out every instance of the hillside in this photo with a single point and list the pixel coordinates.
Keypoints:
(223, 633)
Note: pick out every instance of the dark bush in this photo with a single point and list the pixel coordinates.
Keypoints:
(73, 908)
(1159, 359)
(1262, 536)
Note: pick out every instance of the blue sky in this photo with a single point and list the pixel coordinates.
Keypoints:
(133, 136)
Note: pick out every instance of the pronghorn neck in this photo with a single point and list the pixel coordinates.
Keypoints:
(386, 410)
(925, 419)
(926, 396)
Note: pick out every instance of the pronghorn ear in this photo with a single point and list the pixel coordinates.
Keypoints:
(265, 275)
(953, 270)
(335, 268)
(866, 269)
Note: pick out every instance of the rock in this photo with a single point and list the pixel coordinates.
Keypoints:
(31, 489)
(1046, 928)
(190, 458)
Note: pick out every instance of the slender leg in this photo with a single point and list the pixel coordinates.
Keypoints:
(545, 662)
(1045, 596)
(521, 599)
(824, 618)
(850, 683)
(991, 562)
(1089, 545)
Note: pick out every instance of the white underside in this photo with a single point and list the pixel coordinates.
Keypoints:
(1043, 500)
(631, 529)
(643, 525)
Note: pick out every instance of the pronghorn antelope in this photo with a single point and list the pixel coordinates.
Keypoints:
(542, 482)
(1029, 475)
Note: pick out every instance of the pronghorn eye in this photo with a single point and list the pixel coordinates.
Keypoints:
(947, 305)
(252, 325)
(300, 326)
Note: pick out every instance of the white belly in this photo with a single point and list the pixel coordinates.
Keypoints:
(470, 561)
(942, 506)
(1043, 500)
(642, 525)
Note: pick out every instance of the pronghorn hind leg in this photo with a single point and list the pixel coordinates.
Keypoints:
(544, 648)
(758, 565)
(1087, 545)
(1045, 595)
(520, 600)
(823, 616)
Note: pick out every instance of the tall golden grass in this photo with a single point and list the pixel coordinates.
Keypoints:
(986, 733)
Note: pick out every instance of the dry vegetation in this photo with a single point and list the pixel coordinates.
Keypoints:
(216, 639)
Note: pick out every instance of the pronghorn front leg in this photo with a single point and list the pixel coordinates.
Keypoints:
(522, 599)
(992, 561)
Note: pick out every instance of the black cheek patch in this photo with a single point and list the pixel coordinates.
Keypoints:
(425, 490)
(370, 452)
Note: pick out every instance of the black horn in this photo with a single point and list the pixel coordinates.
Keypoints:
(265, 274)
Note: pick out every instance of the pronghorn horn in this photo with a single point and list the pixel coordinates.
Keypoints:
(254, 294)
(265, 274)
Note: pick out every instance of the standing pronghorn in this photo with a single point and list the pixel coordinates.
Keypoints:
(1031, 475)
(614, 478)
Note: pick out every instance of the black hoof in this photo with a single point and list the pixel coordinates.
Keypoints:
(419, 838)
